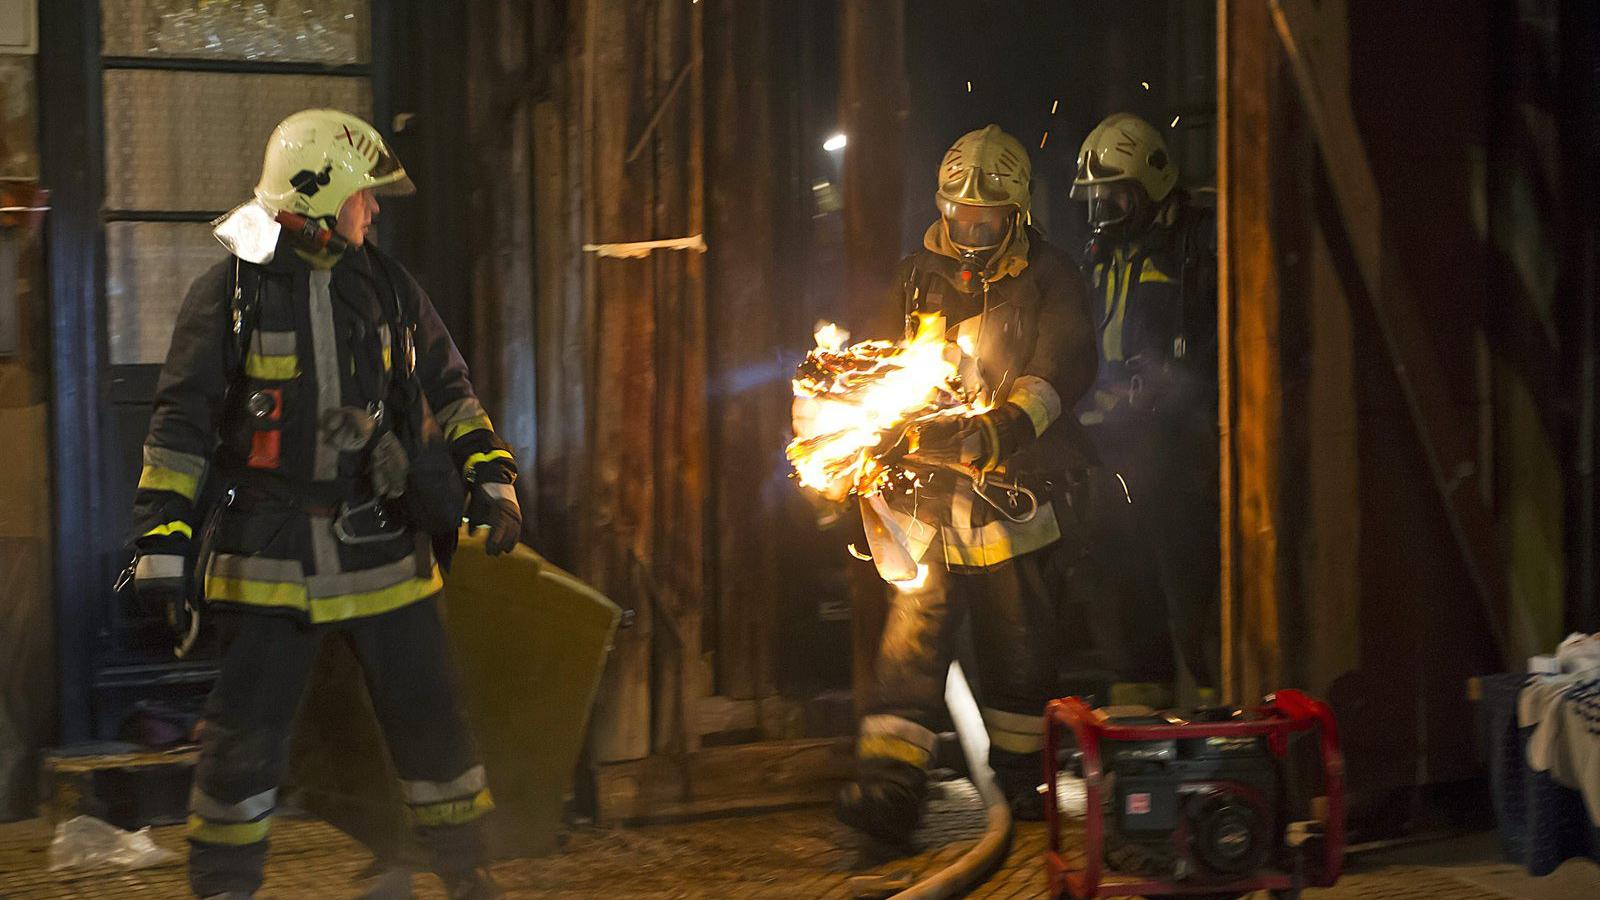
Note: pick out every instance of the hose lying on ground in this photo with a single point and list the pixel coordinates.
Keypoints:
(990, 850)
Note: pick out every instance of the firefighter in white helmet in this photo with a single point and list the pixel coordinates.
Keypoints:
(1001, 489)
(312, 446)
(1151, 264)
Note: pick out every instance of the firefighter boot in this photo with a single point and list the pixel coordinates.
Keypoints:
(885, 801)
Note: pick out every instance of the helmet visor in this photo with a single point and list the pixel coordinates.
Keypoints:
(390, 177)
(976, 227)
(1112, 203)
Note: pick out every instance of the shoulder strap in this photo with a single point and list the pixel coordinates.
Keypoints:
(244, 312)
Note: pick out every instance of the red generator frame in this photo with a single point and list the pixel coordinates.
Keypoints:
(1280, 715)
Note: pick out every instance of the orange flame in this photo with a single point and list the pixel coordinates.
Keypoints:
(853, 403)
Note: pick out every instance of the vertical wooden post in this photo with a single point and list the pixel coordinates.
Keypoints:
(1249, 378)
(873, 101)
(619, 55)
(747, 411)
(676, 578)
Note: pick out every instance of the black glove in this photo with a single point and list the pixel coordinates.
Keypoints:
(493, 505)
(160, 584)
(949, 440)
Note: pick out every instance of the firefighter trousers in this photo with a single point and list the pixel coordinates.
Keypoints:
(265, 661)
(1023, 629)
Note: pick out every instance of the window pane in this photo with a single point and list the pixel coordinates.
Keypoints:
(149, 267)
(193, 140)
(335, 32)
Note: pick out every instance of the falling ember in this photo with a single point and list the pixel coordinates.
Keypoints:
(1043, 139)
(1145, 85)
(1053, 105)
(1175, 121)
(969, 87)
(854, 403)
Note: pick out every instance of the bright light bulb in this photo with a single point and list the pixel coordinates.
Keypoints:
(835, 143)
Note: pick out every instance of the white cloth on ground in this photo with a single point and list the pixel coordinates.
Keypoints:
(1564, 713)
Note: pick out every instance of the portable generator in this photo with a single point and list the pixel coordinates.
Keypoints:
(1219, 801)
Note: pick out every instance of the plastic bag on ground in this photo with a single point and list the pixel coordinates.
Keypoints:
(84, 842)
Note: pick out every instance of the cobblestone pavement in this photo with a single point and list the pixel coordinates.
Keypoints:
(793, 855)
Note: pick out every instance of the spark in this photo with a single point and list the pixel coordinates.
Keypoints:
(1125, 495)
(1053, 105)
(1043, 139)
(836, 142)
(1175, 121)
(1145, 85)
(969, 87)
(857, 553)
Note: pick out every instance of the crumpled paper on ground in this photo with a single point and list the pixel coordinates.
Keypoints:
(84, 842)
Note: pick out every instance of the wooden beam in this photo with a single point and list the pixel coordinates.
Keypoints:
(1249, 376)
(1448, 444)
(872, 101)
(721, 780)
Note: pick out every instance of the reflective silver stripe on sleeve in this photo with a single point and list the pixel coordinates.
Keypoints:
(904, 729)
(466, 784)
(155, 566)
(1034, 396)
(177, 461)
(325, 350)
(247, 810)
(465, 408)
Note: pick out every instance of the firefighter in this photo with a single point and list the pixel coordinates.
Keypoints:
(1151, 263)
(1000, 489)
(305, 375)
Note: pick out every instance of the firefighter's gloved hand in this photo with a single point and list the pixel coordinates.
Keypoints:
(160, 584)
(493, 505)
(951, 440)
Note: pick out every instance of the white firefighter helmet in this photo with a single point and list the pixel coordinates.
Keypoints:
(317, 158)
(1125, 148)
(984, 188)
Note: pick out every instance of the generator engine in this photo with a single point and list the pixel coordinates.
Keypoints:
(1197, 808)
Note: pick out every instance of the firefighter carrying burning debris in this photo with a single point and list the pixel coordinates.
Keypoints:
(995, 489)
(312, 390)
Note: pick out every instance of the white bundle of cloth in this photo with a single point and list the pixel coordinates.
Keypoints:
(1564, 712)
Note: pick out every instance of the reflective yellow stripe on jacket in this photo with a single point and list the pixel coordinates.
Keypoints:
(259, 581)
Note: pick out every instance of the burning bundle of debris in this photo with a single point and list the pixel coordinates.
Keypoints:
(855, 403)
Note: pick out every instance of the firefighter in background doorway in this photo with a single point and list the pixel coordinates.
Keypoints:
(1152, 265)
(1004, 490)
(308, 386)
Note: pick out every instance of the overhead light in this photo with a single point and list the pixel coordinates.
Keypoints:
(835, 143)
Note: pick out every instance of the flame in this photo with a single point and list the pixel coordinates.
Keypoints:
(916, 583)
(853, 403)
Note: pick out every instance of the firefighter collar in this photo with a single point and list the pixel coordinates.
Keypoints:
(1011, 263)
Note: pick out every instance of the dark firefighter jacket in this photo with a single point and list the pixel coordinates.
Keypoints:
(243, 421)
(1026, 335)
(1155, 300)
